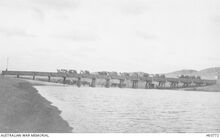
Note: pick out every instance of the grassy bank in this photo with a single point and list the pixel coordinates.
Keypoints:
(24, 110)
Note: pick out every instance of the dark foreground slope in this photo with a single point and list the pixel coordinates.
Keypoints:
(22, 109)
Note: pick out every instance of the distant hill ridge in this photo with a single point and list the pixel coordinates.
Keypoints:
(209, 73)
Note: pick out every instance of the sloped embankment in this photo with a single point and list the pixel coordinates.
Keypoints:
(23, 110)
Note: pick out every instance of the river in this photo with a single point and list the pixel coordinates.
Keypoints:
(135, 110)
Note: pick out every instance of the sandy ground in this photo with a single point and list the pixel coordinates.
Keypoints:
(23, 110)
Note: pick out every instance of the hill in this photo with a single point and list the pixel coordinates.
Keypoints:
(180, 72)
(209, 73)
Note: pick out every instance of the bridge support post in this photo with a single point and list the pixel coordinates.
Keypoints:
(18, 76)
(33, 76)
(93, 83)
(175, 84)
(162, 84)
(159, 84)
(107, 85)
(121, 83)
(185, 85)
(152, 86)
(64, 80)
(49, 78)
(171, 84)
(79, 82)
(148, 84)
(135, 84)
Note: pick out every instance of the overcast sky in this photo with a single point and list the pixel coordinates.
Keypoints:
(153, 36)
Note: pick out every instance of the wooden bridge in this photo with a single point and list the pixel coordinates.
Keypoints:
(149, 82)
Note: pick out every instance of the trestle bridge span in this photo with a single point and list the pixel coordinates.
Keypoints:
(149, 82)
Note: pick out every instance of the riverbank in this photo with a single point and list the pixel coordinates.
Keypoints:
(23, 110)
(211, 88)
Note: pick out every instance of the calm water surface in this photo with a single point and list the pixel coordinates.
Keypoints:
(139, 110)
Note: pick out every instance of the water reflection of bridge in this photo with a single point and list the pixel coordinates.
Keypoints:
(116, 80)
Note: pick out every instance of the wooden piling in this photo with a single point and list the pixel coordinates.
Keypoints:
(134, 83)
(49, 78)
(93, 84)
(79, 82)
(107, 85)
(148, 84)
(64, 80)
(121, 83)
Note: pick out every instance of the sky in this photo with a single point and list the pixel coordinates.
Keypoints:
(154, 36)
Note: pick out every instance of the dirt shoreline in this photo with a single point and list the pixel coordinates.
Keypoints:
(211, 88)
(24, 110)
